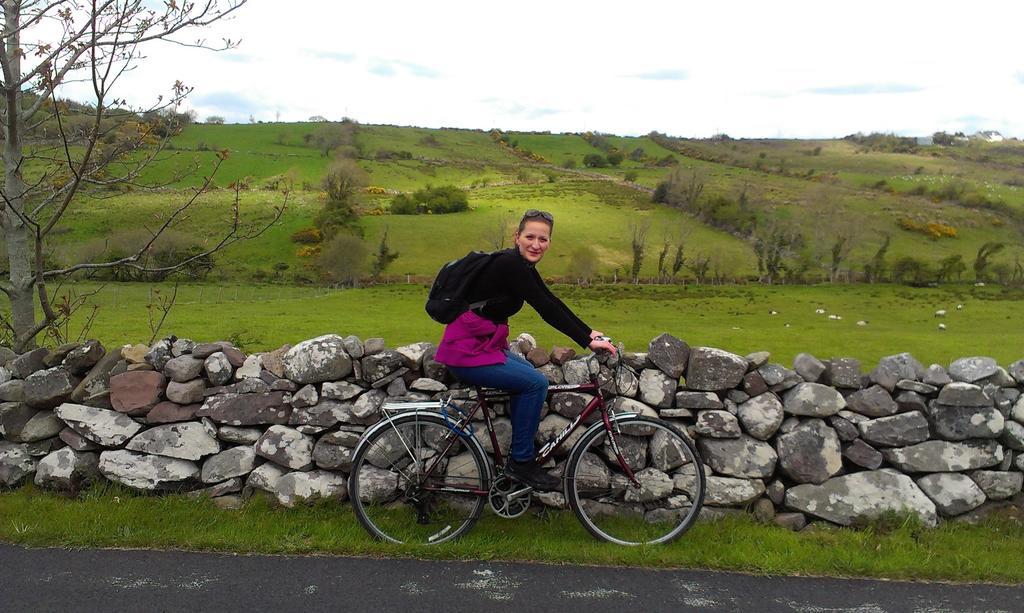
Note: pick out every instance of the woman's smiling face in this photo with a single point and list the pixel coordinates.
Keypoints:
(534, 240)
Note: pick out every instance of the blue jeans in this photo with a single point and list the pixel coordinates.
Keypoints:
(529, 388)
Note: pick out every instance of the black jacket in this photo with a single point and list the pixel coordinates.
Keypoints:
(510, 280)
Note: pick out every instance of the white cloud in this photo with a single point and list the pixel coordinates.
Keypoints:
(800, 69)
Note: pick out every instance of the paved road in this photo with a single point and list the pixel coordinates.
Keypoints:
(111, 580)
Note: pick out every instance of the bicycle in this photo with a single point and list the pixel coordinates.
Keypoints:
(421, 475)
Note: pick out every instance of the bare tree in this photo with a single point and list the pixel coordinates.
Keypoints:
(499, 231)
(774, 241)
(72, 150)
(685, 186)
(834, 234)
(638, 229)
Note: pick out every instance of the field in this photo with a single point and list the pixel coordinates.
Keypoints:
(735, 318)
(811, 186)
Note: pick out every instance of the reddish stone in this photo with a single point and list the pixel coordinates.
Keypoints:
(135, 392)
(234, 355)
(168, 412)
(247, 409)
(538, 357)
(561, 355)
(754, 384)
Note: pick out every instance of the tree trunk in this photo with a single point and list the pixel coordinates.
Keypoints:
(16, 233)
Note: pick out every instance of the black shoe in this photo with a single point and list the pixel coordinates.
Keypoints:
(533, 475)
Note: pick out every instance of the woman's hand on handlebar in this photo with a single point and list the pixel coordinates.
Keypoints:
(602, 343)
(595, 334)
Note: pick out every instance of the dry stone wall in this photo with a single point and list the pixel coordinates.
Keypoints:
(823, 440)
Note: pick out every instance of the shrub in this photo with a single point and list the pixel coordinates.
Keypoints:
(343, 259)
(307, 236)
(615, 158)
(403, 204)
(434, 200)
(594, 160)
(569, 163)
(630, 176)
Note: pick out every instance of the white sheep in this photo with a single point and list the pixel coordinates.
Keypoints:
(862, 322)
(940, 313)
(819, 311)
(773, 312)
(835, 317)
(942, 326)
(959, 307)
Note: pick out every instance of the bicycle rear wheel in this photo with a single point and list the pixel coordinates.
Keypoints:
(416, 480)
(613, 508)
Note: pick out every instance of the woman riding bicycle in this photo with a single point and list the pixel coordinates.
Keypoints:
(474, 347)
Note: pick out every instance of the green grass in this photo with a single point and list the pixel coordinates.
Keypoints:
(735, 318)
(110, 516)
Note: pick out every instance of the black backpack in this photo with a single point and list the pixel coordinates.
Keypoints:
(447, 298)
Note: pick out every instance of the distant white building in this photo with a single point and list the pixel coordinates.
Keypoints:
(988, 135)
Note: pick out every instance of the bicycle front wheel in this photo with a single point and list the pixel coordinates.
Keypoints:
(661, 500)
(417, 480)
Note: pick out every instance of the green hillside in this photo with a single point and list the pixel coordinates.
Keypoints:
(811, 186)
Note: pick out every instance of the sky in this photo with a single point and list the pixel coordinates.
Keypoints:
(764, 69)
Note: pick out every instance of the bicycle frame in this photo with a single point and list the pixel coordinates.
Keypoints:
(547, 450)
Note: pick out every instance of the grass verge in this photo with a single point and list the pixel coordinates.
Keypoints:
(110, 516)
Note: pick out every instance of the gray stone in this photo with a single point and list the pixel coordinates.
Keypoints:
(717, 424)
(670, 355)
(761, 416)
(81, 359)
(46, 389)
(286, 447)
(67, 470)
(1017, 414)
(776, 491)
(791, 521)
(738, 396)
(728, 491)
(378, 366)
(373, 345)
(305, 397)
(972, 369)
(12, 391)
(366, 409)
(956, 423)
(654, 485)
(754, 384)
(218, 369)
(16, 463)
(952, 493)
(843, 372)
(27, 363)
(190, 392)
(76, 441)
(265, 477)
(811, 453)
(845, 429)
(413, 354)
(239, 436)
(758, 359)
(340, 390)
(233, 462)
(330, 456)
(916, 386)
(299, 487)
(656, 388)
(1002, 509)
(246, 409)
(1013, 436)
(325, 414)
(998, 484)
(764, 511)
(183, 368)
(620, 404)
(28, 425)
(570, 404)
(774, 374)
(739, 457)
(945, 456)
(250, 368)
(1016, 371)
(861, 497)
(186, 441)
(808, 367)
(896, 430)
(577, 371)
(423, 384)
(964, 395)
(101, 426)
(697, 400)
(874, 401)
(146, 472)
(711, 369)
(813, 400)
(911, 401)
(219, 490)
(159, 354)
(1001, 378)
(319, 359)
(861, 454)
(553, 373)
(379, 484)
(936, 375)
(891, 369)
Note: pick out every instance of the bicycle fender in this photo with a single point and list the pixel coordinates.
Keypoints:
(434, 415)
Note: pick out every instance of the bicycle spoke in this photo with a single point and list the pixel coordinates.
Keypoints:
(645, 485)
